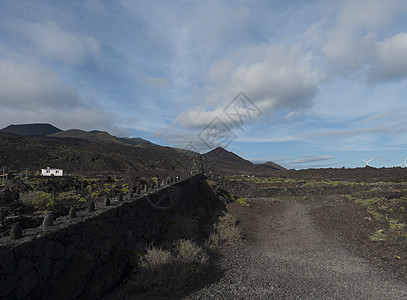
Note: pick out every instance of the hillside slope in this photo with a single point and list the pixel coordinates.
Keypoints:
(91, 136)
(272, 165)
(81, 157)
(220, 160)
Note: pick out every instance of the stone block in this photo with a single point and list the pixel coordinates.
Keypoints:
(69, 250)
(30, 281)
(60, 235)
(49, 248)
(20, 294)
(38, 246)
(44, 269)
(16, 232)
(72, 212)
(23, 250)
(48, 221)
(8, 286)
(91, 207)
(25, 265)
(7, 262)
(59, 251)
(57, 267)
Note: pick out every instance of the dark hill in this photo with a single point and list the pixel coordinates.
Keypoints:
(133, 141)
(91, 136)
(37, 129)
(98, 136)
(220, 160)
(79, 156)
(272, 165)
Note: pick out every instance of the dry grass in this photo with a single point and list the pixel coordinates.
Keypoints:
(167, 272)
(225, 232)
(378, 236)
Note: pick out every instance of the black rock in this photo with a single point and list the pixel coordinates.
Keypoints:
(48, 221)
(91, 206)
(72, 212)
(16, 232)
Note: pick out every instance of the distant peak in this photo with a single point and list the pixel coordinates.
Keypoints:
(219, 149)
(39, 129)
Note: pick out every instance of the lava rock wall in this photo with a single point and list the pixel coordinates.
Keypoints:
(85, 256)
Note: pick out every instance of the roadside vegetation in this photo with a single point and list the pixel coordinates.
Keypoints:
(386, 205)
(188, 252)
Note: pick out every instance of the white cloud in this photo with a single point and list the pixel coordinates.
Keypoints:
(49, 40)
(32, 93)
(369, 14)
(390, 59)
(274, 77)
(27, 86)
(310, 158)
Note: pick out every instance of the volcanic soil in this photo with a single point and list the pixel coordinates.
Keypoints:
(297, 247)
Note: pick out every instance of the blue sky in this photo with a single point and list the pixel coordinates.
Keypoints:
(326, 81)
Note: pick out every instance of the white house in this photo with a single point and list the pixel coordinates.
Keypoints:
(52, 172)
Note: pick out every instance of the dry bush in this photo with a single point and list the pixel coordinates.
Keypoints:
(165, 272)
(193, 256)
(225, 232)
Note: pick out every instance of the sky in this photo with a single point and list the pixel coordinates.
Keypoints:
(305, 84)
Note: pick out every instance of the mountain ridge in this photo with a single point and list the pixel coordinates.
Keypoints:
(148, 155)
(33, 129)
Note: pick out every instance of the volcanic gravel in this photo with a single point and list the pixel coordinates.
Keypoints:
(285, 256)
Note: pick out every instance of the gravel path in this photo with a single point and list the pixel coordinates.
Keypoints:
(284, 256)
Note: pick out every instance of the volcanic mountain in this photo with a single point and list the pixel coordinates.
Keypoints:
(78, 152)
(220, 160)
(91, 136)
(271, 165)
(37, 129)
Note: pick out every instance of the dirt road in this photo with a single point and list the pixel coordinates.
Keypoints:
(285, 256)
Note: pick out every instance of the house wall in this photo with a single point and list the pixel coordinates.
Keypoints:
(52, 172)
(86, 256)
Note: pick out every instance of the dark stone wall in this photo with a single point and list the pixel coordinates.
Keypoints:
(84, 257)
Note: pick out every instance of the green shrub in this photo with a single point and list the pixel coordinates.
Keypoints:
(95, 194)
(43, 200)
(243, 201)
(68, 196)
(82, 200)
(378, 236)
(377, 216)
(125, 188)
(395, 225)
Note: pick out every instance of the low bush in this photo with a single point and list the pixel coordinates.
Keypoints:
(378, 236)
(243, 201)
(167, 272)
(225, 232)
(38, 200)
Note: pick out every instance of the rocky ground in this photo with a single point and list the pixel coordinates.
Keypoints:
(317, 235)
(286, 254)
